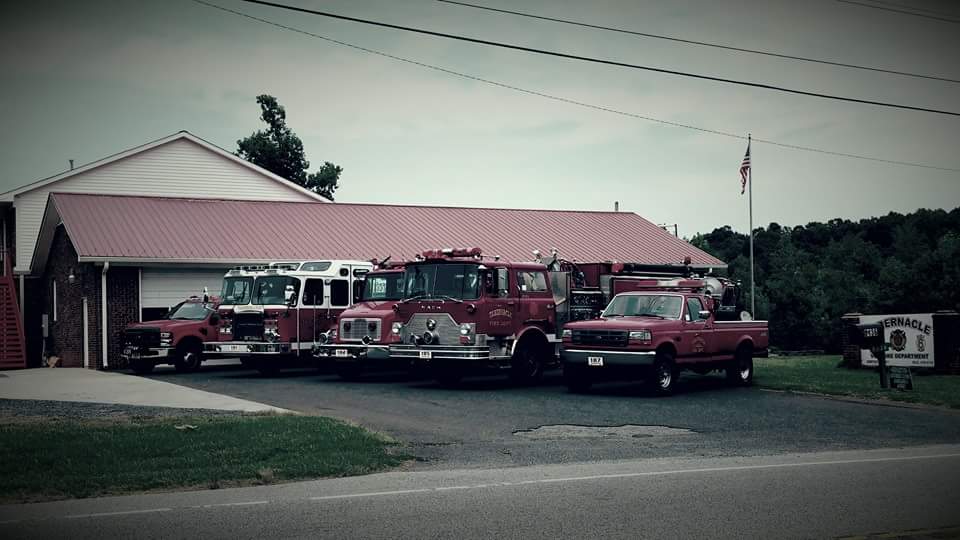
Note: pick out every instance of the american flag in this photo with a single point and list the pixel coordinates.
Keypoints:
(744, 170)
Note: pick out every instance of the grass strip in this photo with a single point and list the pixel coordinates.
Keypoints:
(820, 374)
(69, 458)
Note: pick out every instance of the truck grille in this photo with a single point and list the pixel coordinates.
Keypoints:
(603, 338)
(447, 329)
(360, 328)
(248, 326)
(141, 337)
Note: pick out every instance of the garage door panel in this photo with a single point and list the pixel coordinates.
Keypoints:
(162, 288)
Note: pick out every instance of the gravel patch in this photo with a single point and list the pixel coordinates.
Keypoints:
(17, 410)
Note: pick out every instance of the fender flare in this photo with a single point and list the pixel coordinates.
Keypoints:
(524, 333)
(748, 340)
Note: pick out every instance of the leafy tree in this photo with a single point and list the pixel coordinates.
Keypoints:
(808, 276)
(279, 150)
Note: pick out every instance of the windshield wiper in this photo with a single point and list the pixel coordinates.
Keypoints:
(414, 297)
(608, 315)
(450, 298)
(649, 315)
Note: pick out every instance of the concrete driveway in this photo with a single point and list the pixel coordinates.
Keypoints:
(89, 386)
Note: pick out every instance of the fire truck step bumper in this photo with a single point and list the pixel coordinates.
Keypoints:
(346, 352)
(245, 348)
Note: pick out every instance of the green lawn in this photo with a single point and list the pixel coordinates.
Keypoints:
(56, 459)
(821, 375)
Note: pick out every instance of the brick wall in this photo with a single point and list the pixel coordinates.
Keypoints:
(123, 306)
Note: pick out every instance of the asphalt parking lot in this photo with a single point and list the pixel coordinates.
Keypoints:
(489, 423)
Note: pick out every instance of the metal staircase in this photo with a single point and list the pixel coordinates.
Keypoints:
(13, 351)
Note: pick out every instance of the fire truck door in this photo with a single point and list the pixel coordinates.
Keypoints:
(536, 301)
(312, 311)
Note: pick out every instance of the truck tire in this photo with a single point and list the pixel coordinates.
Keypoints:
(141, 367)
(662, 379)
(740, 369)
(526, 366)
(189, 357)
(577, 379)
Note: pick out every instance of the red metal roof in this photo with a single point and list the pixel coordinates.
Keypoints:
(172, 229)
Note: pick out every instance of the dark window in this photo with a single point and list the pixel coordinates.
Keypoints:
(357, 290)
(383, 286)
(269, 290)
(694, 306)
(443, 281)
(532, 281)
(236, 290)
(316, 266)
(313, 292)
(339, 293)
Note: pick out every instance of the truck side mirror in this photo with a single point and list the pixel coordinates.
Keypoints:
(289, 295)
(704, 314)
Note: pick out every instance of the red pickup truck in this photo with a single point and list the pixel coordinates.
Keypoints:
(656, 333)
(175, 339)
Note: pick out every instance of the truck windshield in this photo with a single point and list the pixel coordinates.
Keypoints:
(189, 311)
(383, 287)
(236, 290)
(269, 289)
(442, 281)
(645, 305)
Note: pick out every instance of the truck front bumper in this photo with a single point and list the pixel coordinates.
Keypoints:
(348, 352)
(476, 353)
(604, 358)
(247, 347)
(151, 353)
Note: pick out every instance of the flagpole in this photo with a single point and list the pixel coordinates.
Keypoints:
(753, 290)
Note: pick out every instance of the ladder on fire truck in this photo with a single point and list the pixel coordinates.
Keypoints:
(13, 351)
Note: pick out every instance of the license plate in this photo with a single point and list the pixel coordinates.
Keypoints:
(234, 348)
(594, 360)
(426, 355)
(341, 353)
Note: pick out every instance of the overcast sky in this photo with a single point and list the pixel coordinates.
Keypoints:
(83, 80)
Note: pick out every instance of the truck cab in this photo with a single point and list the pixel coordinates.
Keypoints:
(290, 305)
(462, 312)
(660, 328)
(361, 340)
(175, 339)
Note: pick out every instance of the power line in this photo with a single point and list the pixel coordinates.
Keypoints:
(568, 100)
(700, 43)
(599, 60)
(914, 8)
(895, 10)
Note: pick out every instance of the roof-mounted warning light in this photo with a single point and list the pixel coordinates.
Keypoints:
(452, 252)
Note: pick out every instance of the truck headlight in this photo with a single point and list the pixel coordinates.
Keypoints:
(466, 329)
(566, 333)
(166, 339)
(641, 335)
(396, 327)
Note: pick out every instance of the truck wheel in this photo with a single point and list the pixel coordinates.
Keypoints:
(141, 367)
(349, 371)
(525, 365)
(189, 357)
(740, 369)
(576, 378)
(663, 374)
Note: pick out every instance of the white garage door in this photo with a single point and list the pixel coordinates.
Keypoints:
(166, 287)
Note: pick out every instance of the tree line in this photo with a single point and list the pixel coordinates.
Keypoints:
(808, 276)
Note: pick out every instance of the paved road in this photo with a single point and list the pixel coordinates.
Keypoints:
(488, 423)
(819, 495)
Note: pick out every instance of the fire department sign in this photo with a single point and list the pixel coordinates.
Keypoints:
(910, 338)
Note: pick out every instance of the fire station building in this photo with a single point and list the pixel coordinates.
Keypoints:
(122, 239)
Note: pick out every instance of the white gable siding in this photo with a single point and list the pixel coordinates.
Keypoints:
(180, 168)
